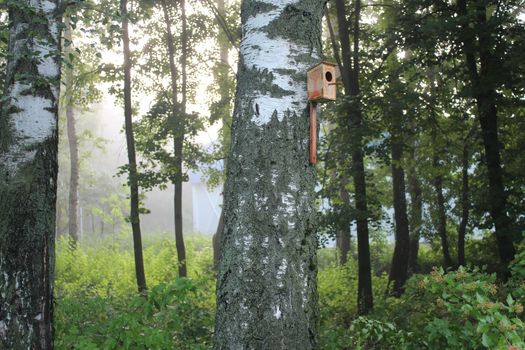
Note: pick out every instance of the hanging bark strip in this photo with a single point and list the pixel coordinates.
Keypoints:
(313, 133)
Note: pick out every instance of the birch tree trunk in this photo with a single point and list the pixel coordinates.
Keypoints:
(266, 291)
(28, 173)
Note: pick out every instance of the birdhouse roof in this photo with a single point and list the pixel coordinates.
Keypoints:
(323, 62)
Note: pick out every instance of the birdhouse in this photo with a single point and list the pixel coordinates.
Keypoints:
(322, 85)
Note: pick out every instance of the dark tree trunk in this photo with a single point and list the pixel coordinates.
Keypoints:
(344, 233)
(266, 291)
(342, 243)
(350, 72)
(178, 138)
(179, 148)
(73, 145)
(399, 268)
(28, 175)
(465, 205)
(485, 95)
(132, 159)
(416, 217)
(441, 216)
(74, 175)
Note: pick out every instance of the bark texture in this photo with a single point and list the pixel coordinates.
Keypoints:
(28, 173)
(266, 291)
(132, 158)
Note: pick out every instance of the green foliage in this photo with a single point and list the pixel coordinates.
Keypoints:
(464, 309)
(367, 333)
(97, 304)
(516, 284)
(337, 287)
(98, 307)
(169, 316)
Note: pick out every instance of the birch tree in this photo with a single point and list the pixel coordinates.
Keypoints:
(266, 295)
(28, 172)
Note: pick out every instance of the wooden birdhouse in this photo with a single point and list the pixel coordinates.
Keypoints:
(322, 85)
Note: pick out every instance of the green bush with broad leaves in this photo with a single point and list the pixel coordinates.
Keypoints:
(463, 309)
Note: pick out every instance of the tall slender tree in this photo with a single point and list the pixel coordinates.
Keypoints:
(349, 63)
(483, 68)
(178, 115)
(132, 159)
(28, 175)
(224, 105)
(266, 291)
(465, 201)
(416, 214)
(74, 158)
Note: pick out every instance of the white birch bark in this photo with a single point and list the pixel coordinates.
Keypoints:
(266, 296)
(33, 119)
(28, 170)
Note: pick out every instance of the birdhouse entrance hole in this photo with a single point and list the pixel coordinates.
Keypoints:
(328, 76)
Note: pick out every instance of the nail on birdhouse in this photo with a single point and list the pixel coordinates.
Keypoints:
(322, 85)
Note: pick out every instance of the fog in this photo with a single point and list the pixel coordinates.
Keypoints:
(103, 200)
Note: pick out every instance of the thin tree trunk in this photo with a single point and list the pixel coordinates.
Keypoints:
(416, 217)
(365, 297)
(399, 268)
(441, 216)
(465, 205)
(223, 51)
(179, 235)
(73, 143)
(178, 141)
(485, 95)
(342, 242)
(350, 73)
(266, 295)
(28, 175)
(344, 232)
(132, 160)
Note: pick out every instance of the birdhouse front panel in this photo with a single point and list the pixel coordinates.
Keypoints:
(322, 85)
